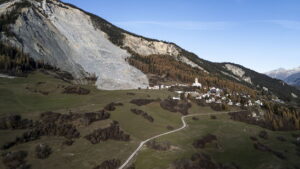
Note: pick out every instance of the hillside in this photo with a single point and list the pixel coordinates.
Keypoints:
(40, 103)
(87, 46)
(294, 79)
(78, 92)
(280, 89)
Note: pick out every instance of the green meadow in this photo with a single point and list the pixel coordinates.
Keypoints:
(24, 96)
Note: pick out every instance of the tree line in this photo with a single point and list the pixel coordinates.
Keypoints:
(281, 116)
(14, 62)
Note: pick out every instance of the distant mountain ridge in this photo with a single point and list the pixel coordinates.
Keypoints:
(290, 76)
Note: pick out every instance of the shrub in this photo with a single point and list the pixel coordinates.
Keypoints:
(195, 118)
(175, 106)
(42, 151)
(112, 106)
(109, 164)
(15, 160)
(142, 102)
(204, 140)
(111, 132)
(68, 142)
(161, 146)
(76, 90)
(170, 127)
(144, 114)
(263, 135)
(15, 122)
(264, 148)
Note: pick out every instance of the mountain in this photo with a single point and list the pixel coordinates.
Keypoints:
(294, 79)
(65, 37)
(54, 58)
(282, 73)
(290, 76)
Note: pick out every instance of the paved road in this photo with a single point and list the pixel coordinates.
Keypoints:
(184, 125)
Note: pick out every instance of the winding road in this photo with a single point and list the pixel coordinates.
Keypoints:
(184, 125)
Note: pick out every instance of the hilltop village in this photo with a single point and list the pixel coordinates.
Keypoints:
(262, 108)
(210, 95)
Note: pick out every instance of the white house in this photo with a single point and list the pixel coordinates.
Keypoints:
(250, 103)
(199, 98)
(213, 100)
(153, 88)
(219, 102)
(258, 102)
(179, 92)
(206, 95)
(218, 90)
(254, 114)
(184, 85)
(167, 87)
(176, 98)
(208, 101)
(192, 94)
(197, 84)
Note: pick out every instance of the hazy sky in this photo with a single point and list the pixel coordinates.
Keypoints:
(259, 34)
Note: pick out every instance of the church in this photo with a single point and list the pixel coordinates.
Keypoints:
(196, 83)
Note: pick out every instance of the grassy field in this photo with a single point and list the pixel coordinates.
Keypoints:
(233, 141)
(24, 96)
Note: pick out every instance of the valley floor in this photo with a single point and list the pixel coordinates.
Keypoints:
(38, 93)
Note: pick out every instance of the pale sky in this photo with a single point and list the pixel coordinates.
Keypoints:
(259, 34)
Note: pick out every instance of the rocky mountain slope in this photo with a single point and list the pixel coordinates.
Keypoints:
(66, 38)
(291, 76)
(86, 45)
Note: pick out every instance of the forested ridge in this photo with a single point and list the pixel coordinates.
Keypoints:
(176, 71)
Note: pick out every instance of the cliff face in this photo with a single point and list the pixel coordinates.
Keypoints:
(66, 38)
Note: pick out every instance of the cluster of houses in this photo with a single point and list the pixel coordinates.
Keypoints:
(159, 87)
(215, 95)
(211, 95)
